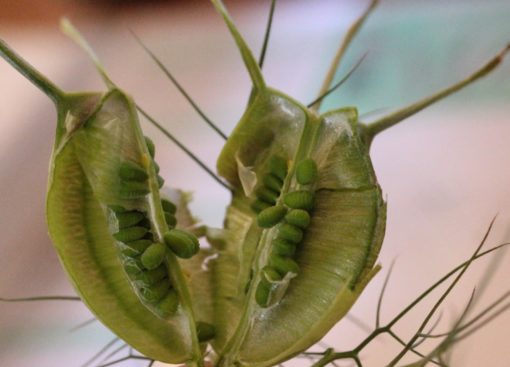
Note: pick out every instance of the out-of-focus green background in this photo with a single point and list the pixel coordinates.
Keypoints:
(444, 172)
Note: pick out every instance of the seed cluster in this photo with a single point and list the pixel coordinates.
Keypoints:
(292, 219)
(268, 193)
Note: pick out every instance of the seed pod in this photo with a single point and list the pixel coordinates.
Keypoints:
(262, 293)
(168, 206)
(258, 205)
(169, 304)
(150, 146)
(273, 182)
(301, 199)
(283, 248)
(278, 167)
(131, 171)
(130, 234)
(267, 195)
(283, 265)
(269, 217)
(128, 219)
(153, 256)
(298, 217)
(306, 171)
(150, 277)
(290, 233)
(182, 243)
(135, 248)
(205, 331)
(156, 292)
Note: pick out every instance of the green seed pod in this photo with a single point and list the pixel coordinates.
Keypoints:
(149, 277)
(170, 219)
(283, 265)
(182, 243)
(283, 248)
(135, 248)
(131, 171)
(258, 205)
(306, 171)
(168, 206)
(130, 234)
(161, 181)
(133, 189)
(273, 182)
(301, 199)
(128, 219)
(298, 217)
(153, 256)
(205, 331)
(278, 167)
(168, 305)
(156, 292)
(269, 217)
(150, 146)
(290, 233)
(262, 293)
(267, 195)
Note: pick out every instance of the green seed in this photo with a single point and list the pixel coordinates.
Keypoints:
(306, 171)
(161, 181)
(182, 243)
(153, 256)
(156, 166)
(267, 195)
(145, 222)
(278, 166)
(135, 248)
(131, 171)
(271, 274)
(299, 200)
(290, 233)
(150, 277)
(132, 265)
(133, 189)
(128, 219)
(262, 293)
(273, 182)
(283, 248)
(156, 292)
(298, 217)
(150, 146)
(269, 217)
(130, 234)
(117, 209)
(258, 205)
(168, 206)
(170, 219)
(205, 331)
(283, 265)
(168, 305)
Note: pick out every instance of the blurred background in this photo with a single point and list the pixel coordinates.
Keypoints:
(444, 172)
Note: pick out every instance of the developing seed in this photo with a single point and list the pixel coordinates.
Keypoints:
(271, 274)
(132, 265)
(133, 189)
(131, 171)
(156, 166)
(145, 222)
(283, 248)
(290, 233)
(135, 248)
(306, 171)
(117, 209)
(283, 265)
(182, 243)
(130, 234)
(161, 181)
(150, 277)
(269, 217)
(155, 292)
(267, 195)
(205, 331)
(168, 206)
(171, 221)
(298, 217)
(128, 219)
(273, 182)
(301, 199)
(258, 205)
(153, 256)
(150, 146)
(168, 305)
(262, 293)
(278, 166)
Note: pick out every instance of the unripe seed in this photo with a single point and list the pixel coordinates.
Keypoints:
(153, 256)
(145, 222)
(290, 233)
(168, 206)
(128, 219)
(301, 199)
(271, 274)
(267, 195)
(171, 221)
(182, 243)
(306, 171)
(258, 205)
(205, 331)
(161, 181)
(168, 305)
(298, 217)
(278, 166)
(130, 234)
(273, 182)
(135, 248)
(269, 217)
(133, 189)
(155, 292)
(150, 277)
(283, 265)
(156, 166)
(131, 171)
(150, 146)
(132, 265)
(117, 209)
(262, 293)
(283, 248)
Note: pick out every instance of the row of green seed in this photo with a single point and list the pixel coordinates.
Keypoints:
(270, 190)
(293, 218)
